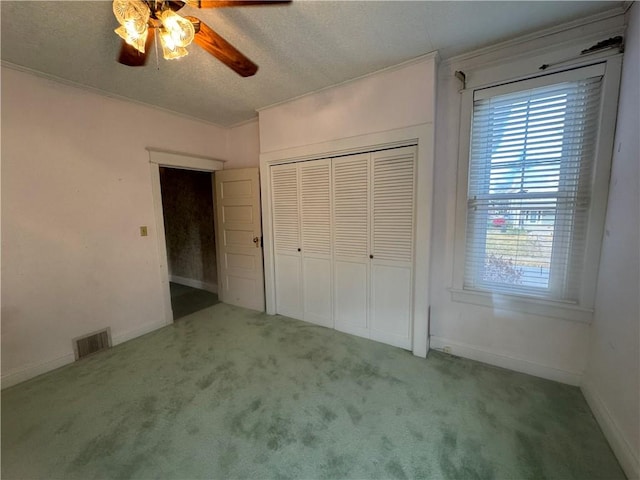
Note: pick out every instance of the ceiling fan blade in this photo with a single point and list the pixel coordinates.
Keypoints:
(222, 50)
(235, 3)
(133, 58)
(175, 5)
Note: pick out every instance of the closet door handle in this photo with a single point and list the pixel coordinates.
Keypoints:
(371, 256)
(299, 250)
(256, 240)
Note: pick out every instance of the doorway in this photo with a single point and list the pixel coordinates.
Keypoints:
(174, 160)
(238, 229)
(187, 207)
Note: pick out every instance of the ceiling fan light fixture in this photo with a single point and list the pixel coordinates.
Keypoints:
(179, 28)
(134, 38)
(133, 16)
(171, 51)
(135, 11)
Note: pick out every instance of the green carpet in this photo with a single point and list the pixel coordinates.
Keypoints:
(230, 393)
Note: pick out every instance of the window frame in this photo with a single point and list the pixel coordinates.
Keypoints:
(497, 80)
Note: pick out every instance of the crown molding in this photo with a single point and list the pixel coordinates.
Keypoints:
(540, 34)
(103, 93)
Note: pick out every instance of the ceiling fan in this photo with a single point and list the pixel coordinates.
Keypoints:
(141, 20)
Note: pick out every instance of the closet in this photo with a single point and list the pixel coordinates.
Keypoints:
(343, 232)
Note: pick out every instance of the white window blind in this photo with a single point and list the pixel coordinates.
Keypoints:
(530, 174)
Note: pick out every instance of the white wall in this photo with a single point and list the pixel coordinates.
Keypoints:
(399, 97)
(76, 187)
(612, 379)
(243, 144)
(539, 345)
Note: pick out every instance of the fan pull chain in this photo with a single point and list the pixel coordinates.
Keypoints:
(155, 43)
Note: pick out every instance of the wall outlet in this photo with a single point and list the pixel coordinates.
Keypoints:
(446, 349)
(143, 231)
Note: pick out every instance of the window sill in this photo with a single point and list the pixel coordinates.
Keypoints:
(533, 306)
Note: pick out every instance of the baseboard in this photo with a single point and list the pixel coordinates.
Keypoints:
(505, 361)
(33, 370)
(190, 282)
(138, 332)
(625, 454)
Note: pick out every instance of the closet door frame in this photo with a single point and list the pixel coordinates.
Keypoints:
(421, 136)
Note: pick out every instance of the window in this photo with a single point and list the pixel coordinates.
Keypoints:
(535, 186)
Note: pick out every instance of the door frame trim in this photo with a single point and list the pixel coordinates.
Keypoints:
(420, 135)
(166, 158)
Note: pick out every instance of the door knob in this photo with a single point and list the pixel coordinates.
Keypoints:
(256, 240)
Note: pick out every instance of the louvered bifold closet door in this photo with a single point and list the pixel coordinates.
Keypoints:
(392, 235)
(287, 241)
(351, 233)
(315, 220)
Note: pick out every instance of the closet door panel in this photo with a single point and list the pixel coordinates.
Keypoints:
(393, 205)
(289, 286)
(351, 297)
(391, 302)
(392, 218)
(315, 221)
(351, 207)
(315, 208)
(286, 236)
(351, 234)
(317, 291)
(285, 208)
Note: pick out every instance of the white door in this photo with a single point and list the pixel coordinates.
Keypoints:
(392, 229)
(238, 237)
(315, 222)
(286, 236)
(351, 243)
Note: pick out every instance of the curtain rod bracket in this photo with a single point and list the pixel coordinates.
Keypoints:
(462, 77)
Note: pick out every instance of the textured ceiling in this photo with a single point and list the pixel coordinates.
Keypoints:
(301, 47)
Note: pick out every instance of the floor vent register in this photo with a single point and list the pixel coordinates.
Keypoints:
(92, 343)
